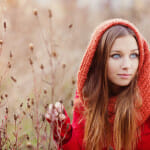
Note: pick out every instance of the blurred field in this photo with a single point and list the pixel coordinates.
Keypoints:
(41, 46)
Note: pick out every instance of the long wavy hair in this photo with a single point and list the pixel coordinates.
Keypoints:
(99, 131)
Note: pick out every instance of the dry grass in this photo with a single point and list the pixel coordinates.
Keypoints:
(40, 52)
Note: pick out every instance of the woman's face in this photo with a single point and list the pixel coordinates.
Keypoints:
(123, 61)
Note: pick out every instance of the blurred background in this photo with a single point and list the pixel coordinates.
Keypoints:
(42, 43)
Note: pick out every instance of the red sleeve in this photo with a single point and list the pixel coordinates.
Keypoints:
(144, 141)
(76, 140)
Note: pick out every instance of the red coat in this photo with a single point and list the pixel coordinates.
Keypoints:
(76, 140)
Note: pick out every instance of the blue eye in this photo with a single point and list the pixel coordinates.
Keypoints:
(116, 56)
(134, 55)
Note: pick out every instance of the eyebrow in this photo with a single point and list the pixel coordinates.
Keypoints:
(119, 50)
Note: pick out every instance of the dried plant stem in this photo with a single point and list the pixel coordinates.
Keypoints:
(16, 135)
(37, 106)
(0, 140)
(49, 142)
(49, 51)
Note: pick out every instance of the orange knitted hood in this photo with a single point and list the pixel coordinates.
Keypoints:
(144, 63)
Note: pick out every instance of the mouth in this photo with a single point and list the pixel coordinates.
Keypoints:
(124, 76)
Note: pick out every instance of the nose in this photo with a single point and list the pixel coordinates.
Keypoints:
(126, 63)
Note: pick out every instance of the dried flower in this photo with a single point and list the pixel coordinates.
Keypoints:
(6, 110)
(35, 12)
(61, 101)
(9, 65)
(50, 13)
(21, 104)
(42, 67)
(31, 46)
(70, 26)
(72, 103)
(54, 54)
(5, 26)
(46, 106)
(31, 116)
(2, 97)
(28, 105)
(63, 66)
(27, 136)
(10, 55)
(32, 102)
(43, 118)
(13, 79)
(24, 112)
(29, 145)
(1, 42)
(30, 61)
(73, 81)
(45, 91)
(6, 95)
(15, 117)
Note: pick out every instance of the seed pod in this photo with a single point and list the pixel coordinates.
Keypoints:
(6, 110)
(63, 66)
(30, 61)
(6, 95)
(35, 12)
(73, 81)
(27, 136)
(32, 102)
(49, 13)
(43, 118)
(15, 117)
(54, 54)
(72, 103)
(9, 65)
(28, 105)
(21, 104)
(31, 116)
(13, 79)
(45, 91)
(1, 42)
(70, 26)
(46, 106)
(31, 46)
(10, 55)
(29, 145)
(24, 112)
(5, 26)
(42, 67)
(2, 97)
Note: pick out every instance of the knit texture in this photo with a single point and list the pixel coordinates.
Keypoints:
(143, 69)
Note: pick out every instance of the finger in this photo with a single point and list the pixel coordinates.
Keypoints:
(48, 118)
(62, 117)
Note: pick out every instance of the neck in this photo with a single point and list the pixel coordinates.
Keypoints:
(115, 90)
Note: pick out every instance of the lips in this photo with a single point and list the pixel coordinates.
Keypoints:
(124, 76)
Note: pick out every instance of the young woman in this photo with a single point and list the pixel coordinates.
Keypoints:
(112, 103)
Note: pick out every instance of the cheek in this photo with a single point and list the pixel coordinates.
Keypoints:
(112, 66)
(135, 65)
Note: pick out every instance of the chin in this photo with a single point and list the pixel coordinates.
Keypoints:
(122, 84)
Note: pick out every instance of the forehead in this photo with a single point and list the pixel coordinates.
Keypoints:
(125, 43)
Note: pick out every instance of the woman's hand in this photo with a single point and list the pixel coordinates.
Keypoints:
(60, 123)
